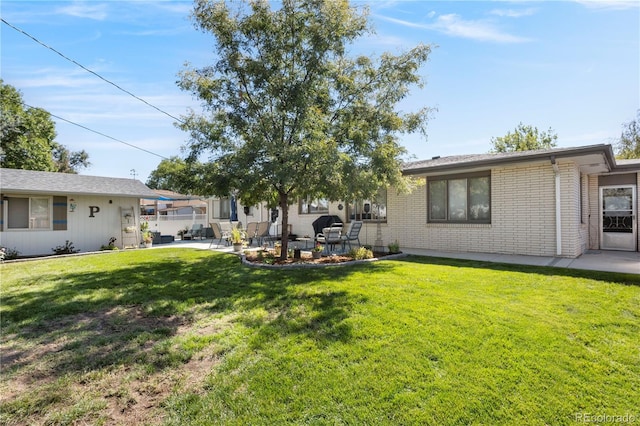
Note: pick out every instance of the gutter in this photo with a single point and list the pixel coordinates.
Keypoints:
(556, 172)
(518, 157)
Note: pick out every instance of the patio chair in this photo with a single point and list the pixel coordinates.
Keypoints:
(196, 231)
(330, 237)
(252, 230)
(218, 234)
(352, 234)
(262, 233)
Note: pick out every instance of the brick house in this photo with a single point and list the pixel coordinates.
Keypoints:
(558, 202)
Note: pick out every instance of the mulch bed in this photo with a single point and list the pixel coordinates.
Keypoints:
(253, 258)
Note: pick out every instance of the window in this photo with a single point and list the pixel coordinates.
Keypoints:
(461, 198)
(374, 209)
(225, 208)
(29, 213)
(315, 206)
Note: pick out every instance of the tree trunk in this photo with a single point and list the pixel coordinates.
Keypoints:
(284, 206)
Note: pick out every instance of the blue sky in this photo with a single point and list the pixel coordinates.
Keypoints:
(573, 66)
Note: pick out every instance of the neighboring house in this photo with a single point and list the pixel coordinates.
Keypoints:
(170, 203)
(42, 210)
(171, 212)
(559, 202)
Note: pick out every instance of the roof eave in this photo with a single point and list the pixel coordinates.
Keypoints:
(605, 150)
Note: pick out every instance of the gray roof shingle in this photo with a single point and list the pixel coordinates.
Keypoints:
(30, 182)
(490, 159)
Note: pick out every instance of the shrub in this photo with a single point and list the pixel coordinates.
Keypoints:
(111, 245)
(8, 254)
(394, 247)
(361, 253)
(66, 248)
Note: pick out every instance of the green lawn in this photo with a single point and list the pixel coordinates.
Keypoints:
(187, 337)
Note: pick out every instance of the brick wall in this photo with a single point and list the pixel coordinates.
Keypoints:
(523, 219)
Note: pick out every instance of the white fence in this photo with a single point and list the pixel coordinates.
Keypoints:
(171, 224)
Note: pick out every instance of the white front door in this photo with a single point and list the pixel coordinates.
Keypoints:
(618, 230)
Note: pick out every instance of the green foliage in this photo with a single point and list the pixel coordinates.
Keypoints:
(66, 248)
(111, 245)
(361, 253)
(288, 114)
(7, 253)
(524, 138)
(236, 235)
(394, 247)
(27, 138)
(173, 174)
(628, 146)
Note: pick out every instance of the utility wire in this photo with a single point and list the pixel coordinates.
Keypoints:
(100, 133)
(90, 71)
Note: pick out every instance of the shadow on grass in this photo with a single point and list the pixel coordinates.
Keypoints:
(93, 317)
(615, 277)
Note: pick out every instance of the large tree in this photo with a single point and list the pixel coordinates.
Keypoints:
(628, 146)
(27, 138)
(288, 114)
(524, 138)
(171, 174)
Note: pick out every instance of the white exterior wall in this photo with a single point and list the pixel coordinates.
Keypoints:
(572, 232)
(523, 216)
(594, 213)
(86, 233)
(523, 219)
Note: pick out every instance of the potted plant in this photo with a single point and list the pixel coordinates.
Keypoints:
(236, 239)
(316, 252)
(147, 239)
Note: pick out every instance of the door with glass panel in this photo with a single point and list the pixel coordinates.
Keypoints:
(619, 227)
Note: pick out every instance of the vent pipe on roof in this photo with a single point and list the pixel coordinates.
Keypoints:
(556, 172)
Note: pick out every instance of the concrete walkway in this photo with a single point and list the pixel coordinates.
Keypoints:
(601, 260)
(608, 261)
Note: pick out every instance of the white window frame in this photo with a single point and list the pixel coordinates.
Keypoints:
(31, 220)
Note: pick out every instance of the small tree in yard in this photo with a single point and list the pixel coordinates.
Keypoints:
(628, 146)
(287, 114)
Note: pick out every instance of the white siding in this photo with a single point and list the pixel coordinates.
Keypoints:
(86, 233)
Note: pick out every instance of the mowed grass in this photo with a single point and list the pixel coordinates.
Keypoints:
(188, 337)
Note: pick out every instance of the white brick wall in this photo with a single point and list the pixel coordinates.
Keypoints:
(523, 219)
(522, 216)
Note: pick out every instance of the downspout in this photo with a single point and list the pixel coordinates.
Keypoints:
(556, 172)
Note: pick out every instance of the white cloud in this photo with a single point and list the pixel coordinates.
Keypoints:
(97, 12)
(610, 4)
(513, 13)
(455, 26)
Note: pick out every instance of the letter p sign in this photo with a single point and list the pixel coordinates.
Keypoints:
(93, 210)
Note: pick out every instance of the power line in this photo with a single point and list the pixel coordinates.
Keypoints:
(90, 71)
(99, 133)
